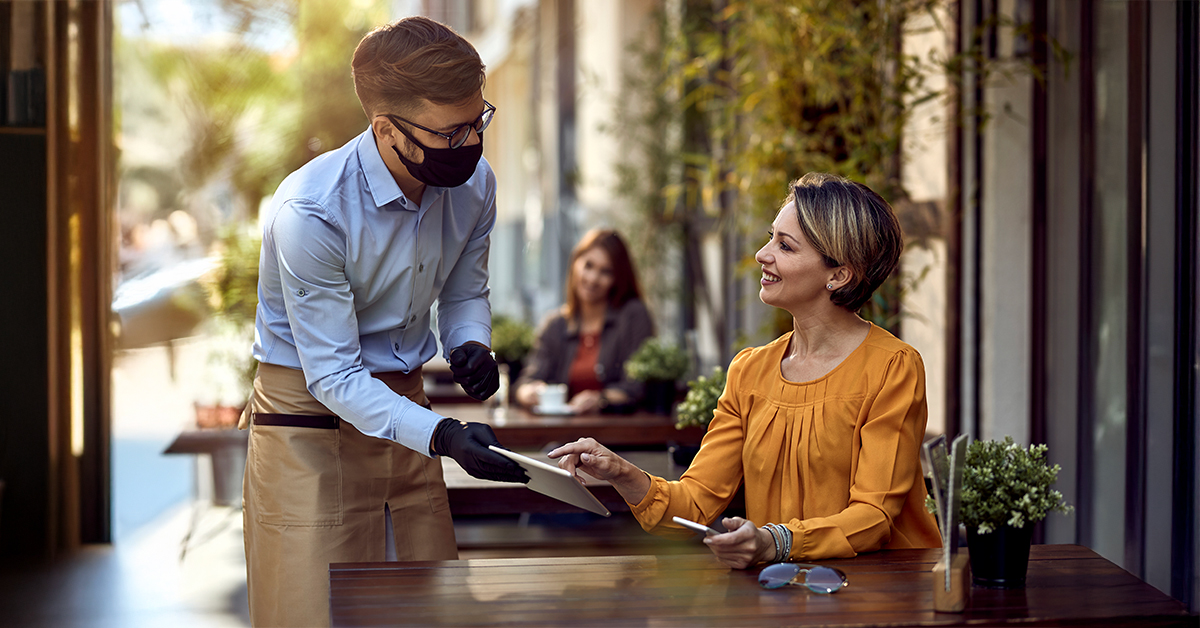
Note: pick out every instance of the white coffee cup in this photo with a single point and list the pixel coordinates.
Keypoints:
(554, 396)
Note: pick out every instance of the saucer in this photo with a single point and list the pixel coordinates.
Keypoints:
(563, 409)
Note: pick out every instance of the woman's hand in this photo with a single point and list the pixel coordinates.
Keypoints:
(586, 401)
(596, 400)
(596, 460)
(530, 394)
(744, 546)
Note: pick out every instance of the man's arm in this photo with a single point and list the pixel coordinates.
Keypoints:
(464, 311)
(310, 252)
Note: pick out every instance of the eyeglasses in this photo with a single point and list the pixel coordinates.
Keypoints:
(459, 135)
(817, 579)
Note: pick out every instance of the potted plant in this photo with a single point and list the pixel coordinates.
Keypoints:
(1006, 490)
(512, 339)
(660, 366)
(700, 402)
(697, 410)
(233, 297)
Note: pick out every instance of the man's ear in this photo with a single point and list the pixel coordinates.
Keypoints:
(384, 129)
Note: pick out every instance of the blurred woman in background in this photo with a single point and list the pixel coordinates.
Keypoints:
(584, 344)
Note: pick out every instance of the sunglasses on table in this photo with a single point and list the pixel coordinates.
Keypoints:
(816, 578)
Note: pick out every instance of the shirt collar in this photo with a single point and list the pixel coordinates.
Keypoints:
(380, 181)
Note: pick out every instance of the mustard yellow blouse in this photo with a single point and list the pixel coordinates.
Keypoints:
(835, 459)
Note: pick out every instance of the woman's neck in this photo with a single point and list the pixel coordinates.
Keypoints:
(820, 343)
(835, 332)
(591, 316)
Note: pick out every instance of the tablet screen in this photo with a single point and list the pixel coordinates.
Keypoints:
(551, 481)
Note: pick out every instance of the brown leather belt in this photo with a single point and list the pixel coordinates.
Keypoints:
(324, 422)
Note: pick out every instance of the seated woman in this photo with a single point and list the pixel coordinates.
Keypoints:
(585, 344)
(824, 424)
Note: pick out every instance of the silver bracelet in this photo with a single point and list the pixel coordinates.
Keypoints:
(774, 537)
(784, 535)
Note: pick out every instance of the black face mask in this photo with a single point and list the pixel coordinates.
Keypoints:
(443, 167)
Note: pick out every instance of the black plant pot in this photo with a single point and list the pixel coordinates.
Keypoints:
(999, 559)
(659, 397)
(682, 455)
(514, 371)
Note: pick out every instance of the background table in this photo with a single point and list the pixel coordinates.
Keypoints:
(1067, 585)
(518, 428)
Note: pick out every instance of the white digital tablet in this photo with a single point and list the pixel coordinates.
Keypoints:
(551, 481)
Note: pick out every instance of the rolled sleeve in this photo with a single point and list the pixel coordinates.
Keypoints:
(319, 303)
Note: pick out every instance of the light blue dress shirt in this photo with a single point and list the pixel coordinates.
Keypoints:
(349, 271)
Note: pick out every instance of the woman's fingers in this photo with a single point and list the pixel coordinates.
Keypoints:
(570, 456)
(578, 447)
(738, 547)
(588, 456)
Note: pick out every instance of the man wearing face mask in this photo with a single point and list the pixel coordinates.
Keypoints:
(357, 246)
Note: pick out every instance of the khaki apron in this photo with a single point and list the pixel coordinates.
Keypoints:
(316, 494)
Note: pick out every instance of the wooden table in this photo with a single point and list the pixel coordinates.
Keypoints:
(1067, 585)
(227, 447)
(518, 428)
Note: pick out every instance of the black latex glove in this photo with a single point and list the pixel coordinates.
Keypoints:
(468, 444)
(475, 370)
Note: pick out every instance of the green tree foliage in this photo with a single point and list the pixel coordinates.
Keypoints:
(255, 115)
(734, 100)
(327, 32)
(231, 98)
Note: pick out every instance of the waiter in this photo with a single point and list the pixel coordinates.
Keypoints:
(357, 246)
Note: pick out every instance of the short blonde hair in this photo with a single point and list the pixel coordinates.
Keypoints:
(398, 65)
(852, 226)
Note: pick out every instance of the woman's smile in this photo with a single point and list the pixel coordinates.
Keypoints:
(768, 278)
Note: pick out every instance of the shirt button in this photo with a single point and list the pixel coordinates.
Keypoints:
(403, 201)
(301, 292)
(421, 268)
(412, 318)
(397, 346)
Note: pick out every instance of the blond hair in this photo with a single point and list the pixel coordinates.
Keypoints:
(852, 226)
(399, 65)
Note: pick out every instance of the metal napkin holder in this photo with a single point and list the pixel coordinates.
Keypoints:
(951, 585)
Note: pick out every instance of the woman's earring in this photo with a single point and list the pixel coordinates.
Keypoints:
(829, 286)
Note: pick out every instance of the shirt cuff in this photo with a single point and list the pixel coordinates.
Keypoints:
(465, 333)
(650, 498)
(414, 425)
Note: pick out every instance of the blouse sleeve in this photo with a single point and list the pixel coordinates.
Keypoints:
(709, 484)
(884, 469)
